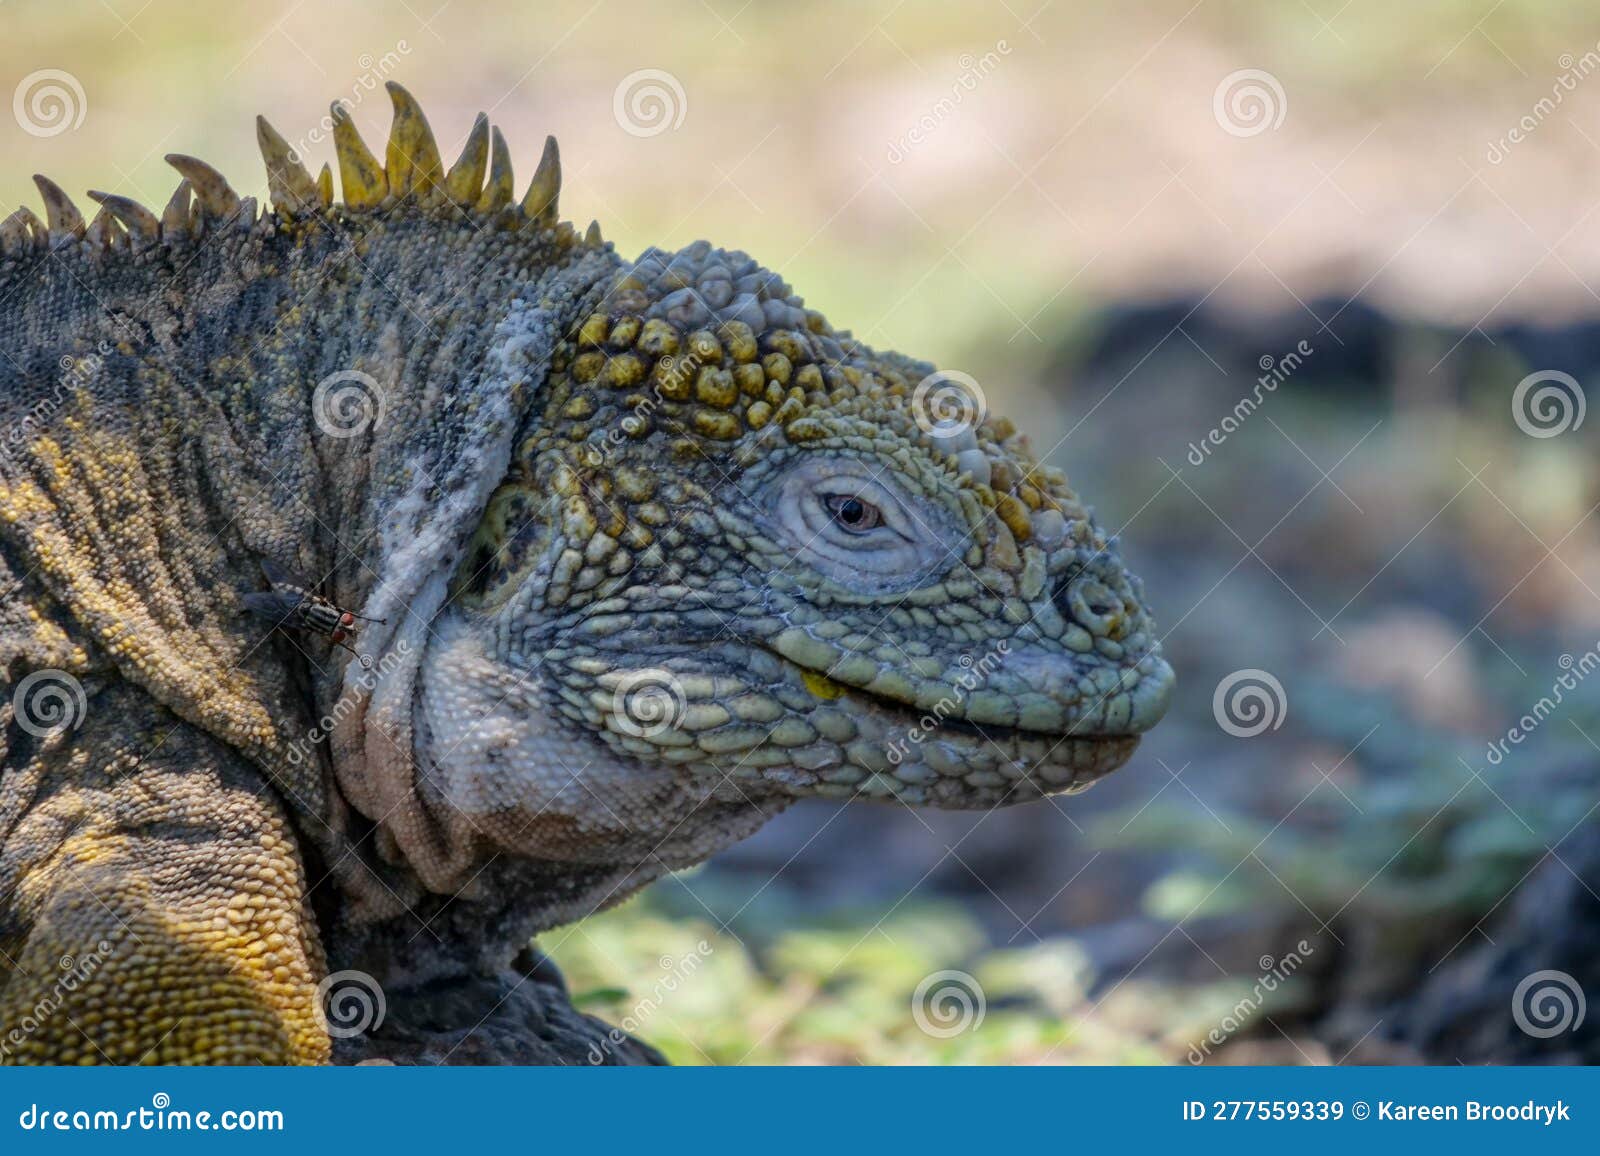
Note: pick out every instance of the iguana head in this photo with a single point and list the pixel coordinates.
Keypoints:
(739, 543)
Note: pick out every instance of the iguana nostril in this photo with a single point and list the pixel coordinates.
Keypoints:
(1095, 606)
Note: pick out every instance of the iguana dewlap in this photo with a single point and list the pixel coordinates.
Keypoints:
(655, 549)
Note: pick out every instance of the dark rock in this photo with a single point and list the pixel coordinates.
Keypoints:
(1465, 1009)
(521, 1016)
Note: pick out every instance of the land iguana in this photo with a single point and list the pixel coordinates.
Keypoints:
(642, 552)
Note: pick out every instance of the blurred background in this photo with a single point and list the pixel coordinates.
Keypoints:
(1367, 833)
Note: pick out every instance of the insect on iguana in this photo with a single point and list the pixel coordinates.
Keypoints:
(643, 552)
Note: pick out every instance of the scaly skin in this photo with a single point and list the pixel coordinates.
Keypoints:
(654, 548)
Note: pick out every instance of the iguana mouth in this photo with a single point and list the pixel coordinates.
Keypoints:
(945, 759)
(826, 687)
(999, 730)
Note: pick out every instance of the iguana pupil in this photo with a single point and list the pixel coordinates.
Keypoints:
(853, 513)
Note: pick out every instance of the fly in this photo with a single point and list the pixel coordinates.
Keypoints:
(292, 605)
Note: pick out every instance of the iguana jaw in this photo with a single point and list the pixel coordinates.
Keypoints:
(940, 758)
(940, 755)
(741, 718)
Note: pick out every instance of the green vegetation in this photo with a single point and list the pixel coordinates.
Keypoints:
(842, 993)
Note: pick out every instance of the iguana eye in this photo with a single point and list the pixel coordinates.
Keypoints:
(855, 521)
(852, 513)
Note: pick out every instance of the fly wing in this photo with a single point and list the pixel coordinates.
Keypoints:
(278, 576)
(276, 606)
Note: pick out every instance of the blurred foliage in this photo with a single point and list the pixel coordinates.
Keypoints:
(1446, 832)
(842, 992)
